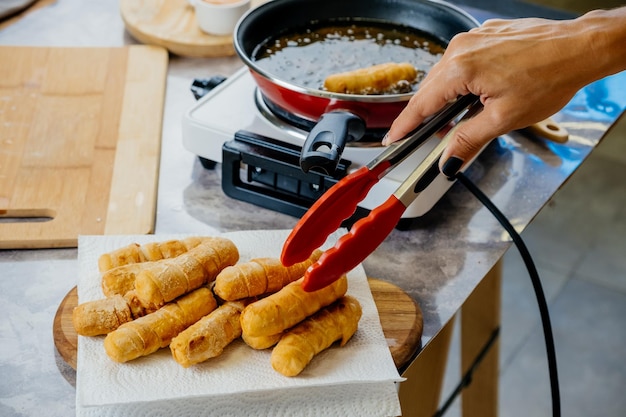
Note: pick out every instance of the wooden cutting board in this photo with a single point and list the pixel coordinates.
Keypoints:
(80, 137)
(400, 318)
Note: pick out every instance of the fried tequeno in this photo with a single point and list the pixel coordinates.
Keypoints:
(377, 79)
(298, 346)
(153, 251)
(156, 330)
(259, 276)
(287, 307)
(162, 281)
(137, 307)
(102, 316)
(121, 279)
(261, 342)
(208, 337)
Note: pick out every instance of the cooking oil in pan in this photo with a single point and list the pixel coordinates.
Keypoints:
(306, 57)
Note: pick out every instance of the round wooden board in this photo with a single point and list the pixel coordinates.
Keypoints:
(401, 320)
(65, 337)
(400, 317)
(172, 25)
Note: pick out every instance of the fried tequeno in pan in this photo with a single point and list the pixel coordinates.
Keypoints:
(287, 307)
(153, 251)
(298, 346)
(259, 276)
(156, 330)
(378, 79)
(208, 337)
(162, 281)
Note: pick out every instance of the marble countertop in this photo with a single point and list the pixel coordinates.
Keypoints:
(438, 261)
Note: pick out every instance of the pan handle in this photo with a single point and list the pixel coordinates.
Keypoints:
(325, 142)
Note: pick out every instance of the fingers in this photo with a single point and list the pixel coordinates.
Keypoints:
(467, 141)
(431, 97)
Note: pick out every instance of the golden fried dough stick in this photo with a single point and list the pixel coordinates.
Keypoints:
(154, 251)
(258, 276)
(137, 307)
(287, 307)
(261, 342)
(102, 316)
(149, 333)
(376, 79)
(162, 281)
(93, 318)
(208, 337)
(121, 279)
(298, 346)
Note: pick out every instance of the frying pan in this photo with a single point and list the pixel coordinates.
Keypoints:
(338, 118)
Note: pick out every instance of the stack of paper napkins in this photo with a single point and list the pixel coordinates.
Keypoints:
(359, 379)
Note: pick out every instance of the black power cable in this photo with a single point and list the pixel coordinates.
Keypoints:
(466, 379)
(534, 277)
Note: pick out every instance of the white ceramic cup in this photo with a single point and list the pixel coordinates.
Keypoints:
(219, 17)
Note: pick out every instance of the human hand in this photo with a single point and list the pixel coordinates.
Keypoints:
(523, 70)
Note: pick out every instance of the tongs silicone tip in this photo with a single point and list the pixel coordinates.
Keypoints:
(351, 248)
(327, 213)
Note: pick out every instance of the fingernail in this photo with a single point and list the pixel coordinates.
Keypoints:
(385, 140)
(451, 167)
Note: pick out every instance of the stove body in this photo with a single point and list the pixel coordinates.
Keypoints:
(259, 153)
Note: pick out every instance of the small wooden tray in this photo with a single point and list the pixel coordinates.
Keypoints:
(400, 317)
(172, 25)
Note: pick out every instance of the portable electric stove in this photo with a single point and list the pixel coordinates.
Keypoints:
(259, 148)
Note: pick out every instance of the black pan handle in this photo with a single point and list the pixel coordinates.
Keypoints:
(325, 143)
(201, 86)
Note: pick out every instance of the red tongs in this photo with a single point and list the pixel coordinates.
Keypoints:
(340, 202)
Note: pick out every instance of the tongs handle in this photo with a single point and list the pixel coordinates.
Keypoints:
(400, 150)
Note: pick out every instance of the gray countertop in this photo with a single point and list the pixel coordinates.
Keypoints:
(438, 261)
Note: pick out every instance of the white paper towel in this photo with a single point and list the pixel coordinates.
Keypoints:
(358, 379)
